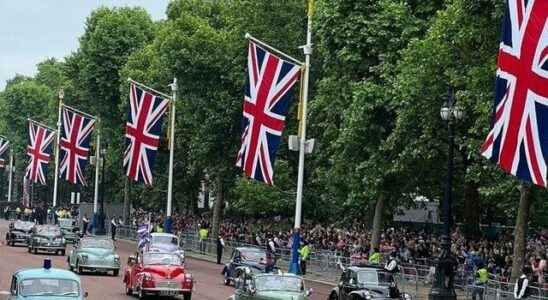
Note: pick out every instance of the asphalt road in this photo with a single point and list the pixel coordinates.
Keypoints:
(208, 286)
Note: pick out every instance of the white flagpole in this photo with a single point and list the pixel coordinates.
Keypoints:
(56, 178)
(10, 176)
(171, 153)
(307, 49)
(97, 165)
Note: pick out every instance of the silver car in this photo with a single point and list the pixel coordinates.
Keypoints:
(96, 254)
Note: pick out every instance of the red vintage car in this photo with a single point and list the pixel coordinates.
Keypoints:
(161, 274)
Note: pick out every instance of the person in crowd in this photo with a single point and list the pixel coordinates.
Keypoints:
(375, 257)
(202, 235)
(392, 263)
(304, 254)
(481, 278)
(120, 221)
(540, 268)
(85, 223)
(521, 287)
(220, 247)
(270, 260)
(113, 226)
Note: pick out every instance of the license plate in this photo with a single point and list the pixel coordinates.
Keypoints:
(168, 293)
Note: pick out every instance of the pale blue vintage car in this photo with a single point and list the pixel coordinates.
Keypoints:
(96, 254)
(46, 284)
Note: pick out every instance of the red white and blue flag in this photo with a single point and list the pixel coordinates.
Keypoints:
(518, 139)
(4, 145)
(76, 132)
(143, 130)
(38, 150)
(268, 93)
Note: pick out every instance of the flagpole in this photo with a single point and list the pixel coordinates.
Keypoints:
(10, 175)
(307, 49)
(96, 190)
(168, 221)
(56, 177)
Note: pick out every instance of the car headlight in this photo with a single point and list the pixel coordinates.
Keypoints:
(407, 296)
(116, 259)
(147, 277)
(188, 277)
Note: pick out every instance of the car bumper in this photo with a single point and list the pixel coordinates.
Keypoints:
(165, 291)
(19, 240)
(48, 248)
(99, 267)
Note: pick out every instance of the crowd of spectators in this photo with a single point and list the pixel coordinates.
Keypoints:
(494, 250)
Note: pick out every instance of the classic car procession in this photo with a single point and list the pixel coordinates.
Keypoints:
(159, 274)
(19, 233)
(46, 238)
(94, 254)
(244, 257)
(69, 229)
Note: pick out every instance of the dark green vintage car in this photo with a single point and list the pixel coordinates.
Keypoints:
(271, 287)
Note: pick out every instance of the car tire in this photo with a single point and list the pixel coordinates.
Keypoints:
(115, 273)
(30, 250)
(129, 291)
(141, 295)
(187, 296)
(63, 252)
(35, 250)
(79, 269)
(333, 296)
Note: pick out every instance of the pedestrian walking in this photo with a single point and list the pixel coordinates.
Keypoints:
(113, 226)
(521, 288)
(220, 247)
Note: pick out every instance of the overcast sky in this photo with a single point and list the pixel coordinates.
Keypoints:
(33, 30)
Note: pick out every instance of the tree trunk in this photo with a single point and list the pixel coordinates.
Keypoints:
(521, 231)
(377, 224)
(471, 210)
(125, 212)
(218, 208)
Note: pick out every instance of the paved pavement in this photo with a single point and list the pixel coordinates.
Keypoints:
(209, 284)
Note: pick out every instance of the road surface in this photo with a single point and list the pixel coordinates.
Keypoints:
(209, 284)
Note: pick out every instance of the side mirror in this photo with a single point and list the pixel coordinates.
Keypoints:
(86, 294)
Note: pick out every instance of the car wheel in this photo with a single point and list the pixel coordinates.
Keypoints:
(35, 250)
(129, 291)
(142, 295)
(63, 252)
(227, 281)
(115, 273)
(187, 295)
(333, 296)
(79, 269)
(30, 249)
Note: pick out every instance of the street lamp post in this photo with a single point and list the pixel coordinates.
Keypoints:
(443, 284)
(101, 230)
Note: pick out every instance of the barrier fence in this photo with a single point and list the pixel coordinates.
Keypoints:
(414, 279)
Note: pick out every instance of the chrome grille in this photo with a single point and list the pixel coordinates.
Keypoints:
(168, 285)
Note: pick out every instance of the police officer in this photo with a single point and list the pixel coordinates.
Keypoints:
(481, 279)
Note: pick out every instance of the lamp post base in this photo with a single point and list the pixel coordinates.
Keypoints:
(99, 224)
(295, 267)
(443, 283)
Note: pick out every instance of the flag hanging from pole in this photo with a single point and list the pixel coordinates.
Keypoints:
(518, 139)
(38, 150)
(76, 132)
(268, 92)
(143, 130)
(4, 145)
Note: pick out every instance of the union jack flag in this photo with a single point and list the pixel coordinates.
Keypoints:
(74, 145)
(268, 93)
(4, 144)
(38, 150)
(143, 133)
(518, 139)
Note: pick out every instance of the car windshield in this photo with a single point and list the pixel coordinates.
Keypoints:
(161, 259)
(49, 287)
(96, 243)
(374, 277)
(279, 283)
(66, 222)
(26, 226)
(253, 255)
(48, 230)
(165, 239)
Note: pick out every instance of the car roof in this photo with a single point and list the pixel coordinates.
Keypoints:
(46, 273)
(251, 249)
(162, 234)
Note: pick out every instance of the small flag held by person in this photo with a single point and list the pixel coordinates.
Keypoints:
(143, 233)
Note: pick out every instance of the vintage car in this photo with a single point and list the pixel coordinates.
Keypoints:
(367, 282)
(95, 254)
(166, 243)
(69, 229)
(156, 273)
(46, 283)
(242, 257)
(19, 232)
(271, 286)
(46, 238)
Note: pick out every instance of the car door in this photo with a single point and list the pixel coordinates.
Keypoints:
(234, 263)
